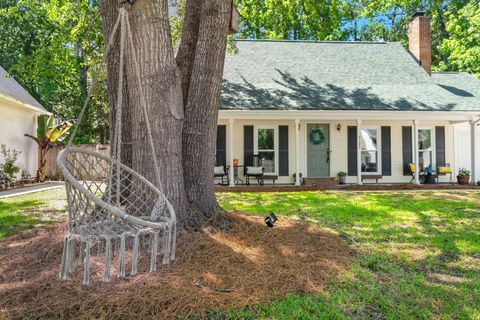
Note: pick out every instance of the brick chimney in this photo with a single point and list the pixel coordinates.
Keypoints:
(420, 40)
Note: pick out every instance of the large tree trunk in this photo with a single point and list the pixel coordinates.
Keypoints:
(162, 90)
(190, 83)
(201, 59)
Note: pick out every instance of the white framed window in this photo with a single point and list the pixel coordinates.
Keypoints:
(425, 148)
(266, 147)
(370, 146)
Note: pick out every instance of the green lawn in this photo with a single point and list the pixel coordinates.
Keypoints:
(23, 213)
(416, 255)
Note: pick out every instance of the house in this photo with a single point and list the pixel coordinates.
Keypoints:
(365, 108)
(18, 115)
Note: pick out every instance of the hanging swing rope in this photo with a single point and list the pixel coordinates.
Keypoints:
(139, 209)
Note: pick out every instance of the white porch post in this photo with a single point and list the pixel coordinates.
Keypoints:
(297, 152)
(415, 151)
(231, 172)
(473, 135)
(359, 152)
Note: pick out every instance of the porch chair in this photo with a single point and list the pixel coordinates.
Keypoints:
(443, 170)
(421, 175)
(255, 170)
(219, 171)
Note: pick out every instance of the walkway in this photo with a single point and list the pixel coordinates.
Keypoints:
(31, 189)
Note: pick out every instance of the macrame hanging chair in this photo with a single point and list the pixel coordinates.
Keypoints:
(111, 207)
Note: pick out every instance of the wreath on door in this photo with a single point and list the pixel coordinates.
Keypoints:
(317, 136)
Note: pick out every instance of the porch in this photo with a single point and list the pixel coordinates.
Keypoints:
(380, 187)
(362, 144)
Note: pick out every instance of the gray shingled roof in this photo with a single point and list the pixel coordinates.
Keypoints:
(285, 75)
(11, 88)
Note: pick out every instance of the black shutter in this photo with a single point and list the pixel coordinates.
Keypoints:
(440, 145)
(407, 149)
(352, 151)
(221, 158)
(283, 150)
(248, 145)
(386, 152)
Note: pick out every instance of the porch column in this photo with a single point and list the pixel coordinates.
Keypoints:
(473, 139)
(297, 152)
(359, 152)
(231, 172)
(415, 151)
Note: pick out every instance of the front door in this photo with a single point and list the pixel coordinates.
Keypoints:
(318, 150)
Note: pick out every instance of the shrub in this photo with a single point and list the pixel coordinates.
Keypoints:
(9, 166)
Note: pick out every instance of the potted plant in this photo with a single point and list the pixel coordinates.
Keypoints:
(342, 177)
(463, 176)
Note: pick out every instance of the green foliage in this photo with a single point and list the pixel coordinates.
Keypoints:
(463, 172)
(462, 47)
(292, 19)
(51, 48)
(413, 253)
(10, 157)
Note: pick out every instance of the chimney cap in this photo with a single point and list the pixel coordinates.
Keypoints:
(419, 13)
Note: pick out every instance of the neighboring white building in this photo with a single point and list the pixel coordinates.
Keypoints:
(18, 115)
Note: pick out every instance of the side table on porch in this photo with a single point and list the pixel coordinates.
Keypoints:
(236, 178)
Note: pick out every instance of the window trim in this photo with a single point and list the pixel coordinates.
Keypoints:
(432, 143)
(379, 150)
(275, 141)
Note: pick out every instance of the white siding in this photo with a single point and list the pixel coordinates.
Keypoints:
(15, 121)
(338, 145)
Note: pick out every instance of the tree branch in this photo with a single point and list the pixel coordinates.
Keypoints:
(188, 44)
(33, 138)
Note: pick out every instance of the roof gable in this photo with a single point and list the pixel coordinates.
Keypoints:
(330, 76)
(12, 89)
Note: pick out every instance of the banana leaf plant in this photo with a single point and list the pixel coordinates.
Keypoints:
(50, 133)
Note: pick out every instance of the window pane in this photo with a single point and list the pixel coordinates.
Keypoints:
(265, 139)
(368, 140)
(425, 159)
(369, 161)
(424, 139)
(267, 159)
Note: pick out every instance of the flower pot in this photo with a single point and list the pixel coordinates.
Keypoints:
(342, 179)
(463, 179)
(235, 162)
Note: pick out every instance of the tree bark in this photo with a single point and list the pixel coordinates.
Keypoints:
(201, 106)
(162, 91)
(189, 83)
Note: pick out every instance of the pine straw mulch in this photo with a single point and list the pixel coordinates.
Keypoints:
(214, 269)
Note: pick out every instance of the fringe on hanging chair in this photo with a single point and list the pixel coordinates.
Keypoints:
(108, 258)
(86, 272)
(153, 255)
(63, 265)
(173, 241)
(71, 255)
(121, 257)
(82, 251)
(166, 249)
(135, 254)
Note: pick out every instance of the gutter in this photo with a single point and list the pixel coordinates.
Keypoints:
(35, 109)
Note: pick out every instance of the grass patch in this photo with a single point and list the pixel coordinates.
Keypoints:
(416, 254)
(22, 213)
